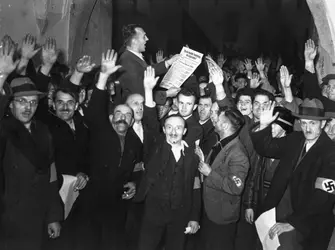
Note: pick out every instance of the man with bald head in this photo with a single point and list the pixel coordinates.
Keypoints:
(170, 186)
(114, 151)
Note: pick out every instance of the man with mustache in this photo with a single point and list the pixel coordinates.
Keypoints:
(100, 211)
(170, 186)
(30, 206)
(69, 133)
(302, 188)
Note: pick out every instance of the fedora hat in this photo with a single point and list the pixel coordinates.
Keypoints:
(285, 118)
(311, 109)
(23, 86)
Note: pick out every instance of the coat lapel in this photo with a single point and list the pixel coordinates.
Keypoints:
(137, 59)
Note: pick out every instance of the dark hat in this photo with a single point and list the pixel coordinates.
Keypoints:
(285, 118)
(311, 109)
(23, 86)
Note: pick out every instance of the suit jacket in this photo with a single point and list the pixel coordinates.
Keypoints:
(156, 163)
(312, 208)
(223, 187)
(131, 74)
(110, 169)
(194, 131)
(71, 148)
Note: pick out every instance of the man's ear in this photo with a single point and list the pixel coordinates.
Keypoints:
(164, 130)
(76, 106)
(110, 118)
(195, 106)
(11, 104)
(323, 124)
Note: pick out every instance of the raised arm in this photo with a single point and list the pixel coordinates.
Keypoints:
(311, 87)
(150, 118)
(97, 111)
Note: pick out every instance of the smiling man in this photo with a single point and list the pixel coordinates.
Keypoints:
(133, 62)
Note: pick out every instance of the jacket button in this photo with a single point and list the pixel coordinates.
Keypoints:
(15, 166)
(105, 166)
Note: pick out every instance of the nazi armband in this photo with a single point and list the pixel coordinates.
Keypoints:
(327, 185)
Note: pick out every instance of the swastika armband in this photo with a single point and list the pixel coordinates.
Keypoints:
(237, 181)
(327, 185)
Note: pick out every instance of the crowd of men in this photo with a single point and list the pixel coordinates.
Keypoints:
(180, 168)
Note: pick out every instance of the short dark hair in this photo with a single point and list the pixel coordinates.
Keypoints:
(265, 93)
(66, 91)
(245, 92)
(128, 33)
(234, 116)
(206, 97)
(175, 115)
(188, 92)
(241, 75)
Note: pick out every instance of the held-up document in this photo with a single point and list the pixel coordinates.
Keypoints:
(263, 225)
(182, 69)
(68, 194)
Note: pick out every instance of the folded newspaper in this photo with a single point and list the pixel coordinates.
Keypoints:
(68, 194)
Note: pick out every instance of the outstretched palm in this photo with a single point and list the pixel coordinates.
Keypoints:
(285, 77)
(108, 62)
(310, 50)
(85, 65)
(267, 117)
(149, 80)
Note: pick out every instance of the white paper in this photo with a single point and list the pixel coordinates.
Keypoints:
(182, 69)
(263, 225)
(68, 194)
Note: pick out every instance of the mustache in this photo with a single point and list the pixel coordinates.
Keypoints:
(121, 122)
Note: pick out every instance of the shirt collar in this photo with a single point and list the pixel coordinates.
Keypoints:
(139, 55)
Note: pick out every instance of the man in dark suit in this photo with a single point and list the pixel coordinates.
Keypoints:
(134, 65)
(170, 187)
(204, 112)
(114, 151)
(302, 189)
(30, 204)
(225, 172)
(187, 103)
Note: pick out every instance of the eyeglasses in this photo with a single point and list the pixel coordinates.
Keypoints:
(24, 102)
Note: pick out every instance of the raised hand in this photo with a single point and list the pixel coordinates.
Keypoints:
(28, 50)
(108, 62)
(160, 56)
(173, 59)
(285, 77)
(49, 51)
(84, 64)
(216, 76)
(172, 92)
(248, 64)
(7, 65)
(310, 50)
(240, 66)
(221, 60)
(255, 81)
(149, 80)
(267, 117)
(260, 65)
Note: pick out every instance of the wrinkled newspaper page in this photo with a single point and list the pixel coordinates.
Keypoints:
(68, 194)
(182, 69)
